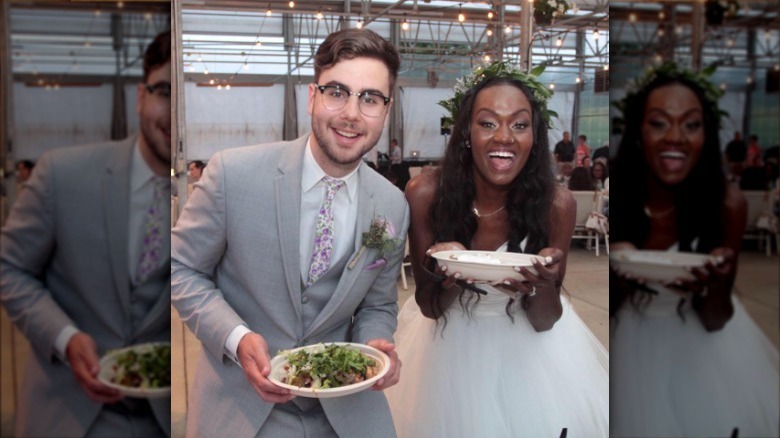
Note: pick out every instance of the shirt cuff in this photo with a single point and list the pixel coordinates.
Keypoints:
(231, 343)
(61, 343)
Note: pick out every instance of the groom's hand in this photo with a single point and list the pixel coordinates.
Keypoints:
(392, 376)
(252, 352)
(83, 360)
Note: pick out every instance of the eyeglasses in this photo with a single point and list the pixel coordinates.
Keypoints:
(335, 97)
(160, 89)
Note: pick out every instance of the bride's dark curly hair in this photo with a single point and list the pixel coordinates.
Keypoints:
(698, 200)
(529, 198)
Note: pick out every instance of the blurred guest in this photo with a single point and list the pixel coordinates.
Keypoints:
(580, 179)
(564, 149)
(753, 156)
(396, 154)
(564, 173)
(680, 345)
(601, 153)
(24, 169)
(754, 178)
(196, 170)
(599, 174)
(583, 151)
(85, 268)
(736, 150)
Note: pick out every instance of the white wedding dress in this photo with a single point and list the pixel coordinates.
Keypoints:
(672, 378)
(485, 376)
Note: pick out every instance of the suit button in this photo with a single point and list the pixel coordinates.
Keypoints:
(305, 299)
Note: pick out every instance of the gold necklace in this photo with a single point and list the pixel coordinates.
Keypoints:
(649, 213)
(477, 214)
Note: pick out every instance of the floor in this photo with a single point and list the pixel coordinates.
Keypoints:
(586, 283)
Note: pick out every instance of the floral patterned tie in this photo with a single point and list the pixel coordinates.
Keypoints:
(152, 243)
(323, 236)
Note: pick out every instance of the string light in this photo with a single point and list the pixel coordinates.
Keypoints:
(219, 87)
(97, 12)
(292, 4)
(206, 71)
(405, 24)
(508, 29)
(120, 5)
(360, 24)
(606, 67)
(749, 80)
(268, 11)
(595, 34)
(730, 42)
(490, 15)
(578, 80)
(632, 17)
(660, 32)
(246, 66)
(211, 81)
(552, 85)
(461, 17)
(319, 15)
(487, 58)
(259, 43)
(661, 15)
(559, 42)
(227, 87)
(489, 32)
(723, 86)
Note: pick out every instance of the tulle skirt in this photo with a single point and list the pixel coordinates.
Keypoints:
(672, 378)
(484, 376)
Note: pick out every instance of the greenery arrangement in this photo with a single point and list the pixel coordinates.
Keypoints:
(493, 70)
(547, 10)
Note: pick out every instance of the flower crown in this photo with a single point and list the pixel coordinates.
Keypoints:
(495, 70)
(669, 70)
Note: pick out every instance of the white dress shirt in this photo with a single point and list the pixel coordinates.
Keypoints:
(345, 212)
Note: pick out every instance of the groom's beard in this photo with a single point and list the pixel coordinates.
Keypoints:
(325, 140)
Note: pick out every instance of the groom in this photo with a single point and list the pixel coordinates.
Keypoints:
(265, 257)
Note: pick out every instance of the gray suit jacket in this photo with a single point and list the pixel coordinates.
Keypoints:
(235, 260)
(63, 260)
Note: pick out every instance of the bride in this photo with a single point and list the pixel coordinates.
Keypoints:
(511, 359)
(687, 360)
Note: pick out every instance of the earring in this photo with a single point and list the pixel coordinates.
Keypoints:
(467, 144)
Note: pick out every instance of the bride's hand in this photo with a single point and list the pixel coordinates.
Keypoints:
(713, 276)
(547, 273)
(452, 276)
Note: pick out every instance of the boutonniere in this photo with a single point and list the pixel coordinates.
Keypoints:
(381, 235)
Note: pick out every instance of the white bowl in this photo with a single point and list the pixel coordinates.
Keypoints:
(658, 266)
(107, 372)
(487, 266)
(278, 371)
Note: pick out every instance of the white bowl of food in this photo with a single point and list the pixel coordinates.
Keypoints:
(658, 266)
(487, 266)
(142, 370)
(334, 369)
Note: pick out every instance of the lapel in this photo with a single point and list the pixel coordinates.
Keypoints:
(366, 210)
(116, 201)
(152, 319)
(287, 196)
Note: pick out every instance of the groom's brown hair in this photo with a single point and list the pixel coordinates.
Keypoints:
(356, 43)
